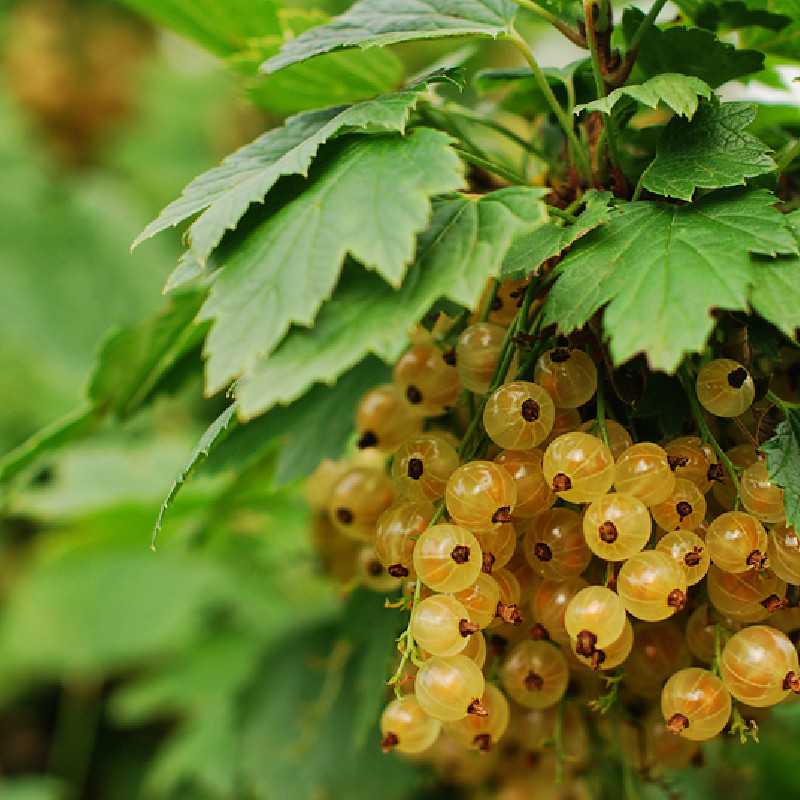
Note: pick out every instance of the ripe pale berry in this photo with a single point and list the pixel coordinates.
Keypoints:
(427, 379)
(358, 499)
(643, 471)
(745, 596)
(689, 552)
(447, 558)
(578, 467)
(519, 415)
(737, 542)
(569, 376)
(397, 531)
(701, 634)
(405, 727)
(535, 674)
(652, 586)
(422, 466)
(384, 419)
(725, 388)
(449, 688)
(477, 355)
(533, 491)
(554, 545)
(482, 732)
(549, 602)
(659, 650)
(594, 619)
(691, 460)
(507, 301)
(617, 526)
(695, 704)
(497, 546)
(742, 456)
(372, 574)
(759, 666)
(481, 495)
(441, 625)
(510, 595)
(783, 553)
(613, 655)
(480, 600)
(760, 496)
(685, 508)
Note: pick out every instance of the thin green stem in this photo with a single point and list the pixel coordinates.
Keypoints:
(573, 35)
(468, 114)
(783, 405)
(601, 412)
(705, 432)
(487, 308)
(621, 75)
(565, 120)
(715, 664)
(490, 166)
(640, 184)
(789, 154)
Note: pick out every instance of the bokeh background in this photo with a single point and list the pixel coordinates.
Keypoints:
(123, 673)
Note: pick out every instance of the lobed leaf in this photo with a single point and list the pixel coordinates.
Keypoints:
(464, 245)
(662, 269)
(222, 195)
(679, 92)
(783, 462)
(371, 23)
(712, 151)
(370, 202)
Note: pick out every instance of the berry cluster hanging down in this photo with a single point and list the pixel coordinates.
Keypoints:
(553, 565)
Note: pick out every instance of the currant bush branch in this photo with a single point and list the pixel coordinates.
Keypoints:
(573, 35)
(620, 75)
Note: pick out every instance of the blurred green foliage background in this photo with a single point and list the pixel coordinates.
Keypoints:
(224, 666)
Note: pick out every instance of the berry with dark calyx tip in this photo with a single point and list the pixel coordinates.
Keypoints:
(560, 355)
(502, 515)
(415, 468)
(677, 599)
(598, 657)
(483, 741)
(530, 410)
(344, 515)
(498, 643)
(693, 557)
(585, 643)
(683, 509)
(368, 439)
(533, 682)
(488, 563)
(737, 377)
(509, 612)
(539, 633)
(460, 554)
(389, 742)
(543, 551)
(757, 560)
(608, 532)
(677, 461)
(497, 303)
(449, 357)
(561, 483)
(374, 567)
(677, 723)
(792, 682)
(477, 709)
(397, 571)
(413, 395)
(716, 472)
(774, 603)
(523, 340)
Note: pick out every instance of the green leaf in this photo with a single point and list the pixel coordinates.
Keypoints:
(134, 361)
(776, 291)
(214, 433)
(315, 427)
(530, 251)
(663, 268)
(710, 152)
(32, 788)
(464, 245)
(333, 79)
(689, 51)
(224, 193)
(222, 27)
(783, 462)
(782, 43)
(371, 23)
(679, 92)
(370, 201)
(306, 727)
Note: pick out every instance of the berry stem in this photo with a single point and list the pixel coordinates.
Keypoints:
(487, 308)
(578, 150)
(573, 35)
(601, 412)
(605, 702)
(490, 166)
(619, 76)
